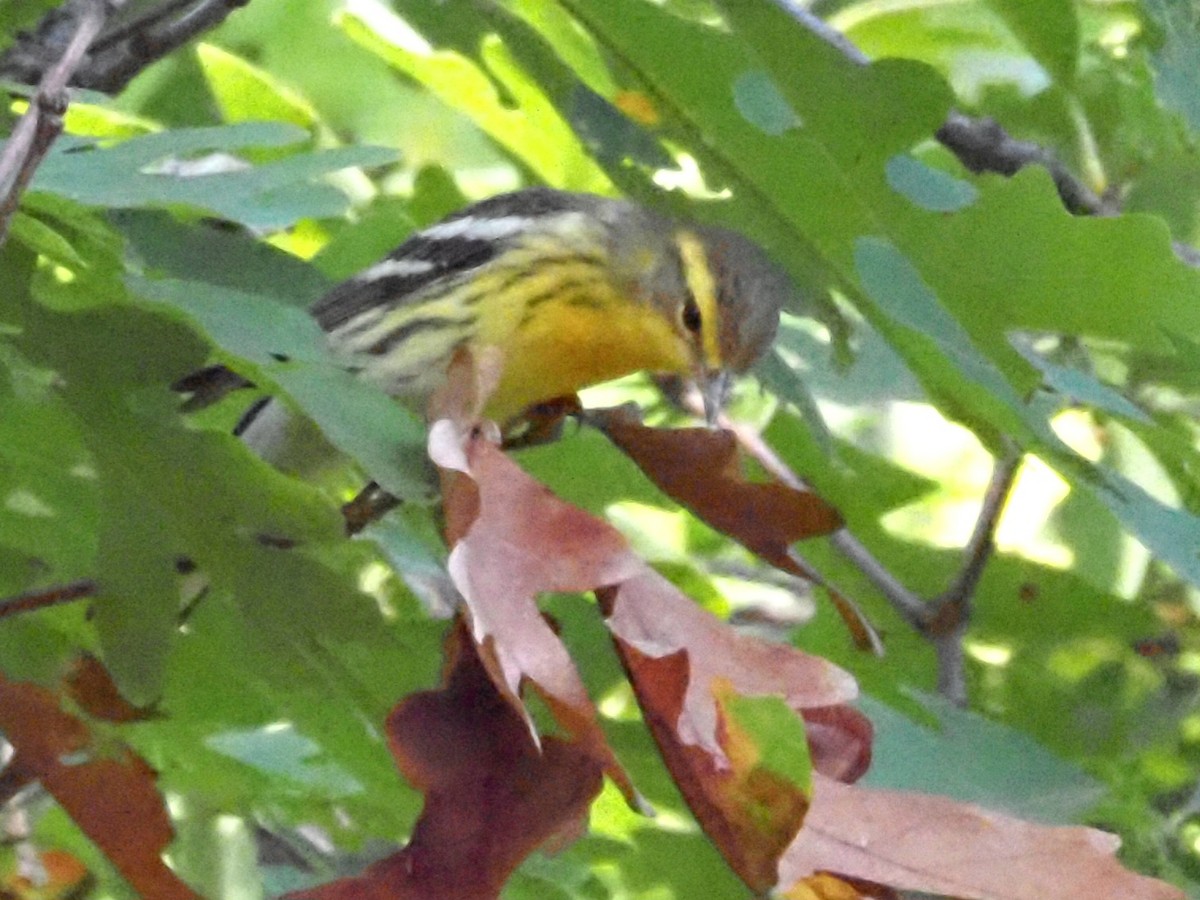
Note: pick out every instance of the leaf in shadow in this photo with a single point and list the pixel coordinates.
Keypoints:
(492, 796)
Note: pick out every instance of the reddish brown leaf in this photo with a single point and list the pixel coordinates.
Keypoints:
(513, 540)
(919, 842)
(113, 800)
(699, 468)
(491, 797)
(749, 815)
(89, 684)
(521, 542)
(646, 612)
(680, 659)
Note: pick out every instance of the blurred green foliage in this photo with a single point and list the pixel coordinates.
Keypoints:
(935, 309)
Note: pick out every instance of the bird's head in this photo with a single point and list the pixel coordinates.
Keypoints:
(719, 291)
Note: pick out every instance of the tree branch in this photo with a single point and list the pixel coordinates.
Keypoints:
(135, 46)
(912, 608)
(951, 611)
(908, 604)
(981, 545)
(943, 620)
(42, 122)
(982, 145)
(865, 634)
(119, 54)
(47, 597)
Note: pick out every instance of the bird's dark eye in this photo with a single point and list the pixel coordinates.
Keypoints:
(690, 316)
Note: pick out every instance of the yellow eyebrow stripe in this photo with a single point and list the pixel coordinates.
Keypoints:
(700, 281)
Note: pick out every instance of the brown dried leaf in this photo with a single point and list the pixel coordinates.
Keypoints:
(515, 540)
(699, 468)
(749, 815)
(491, 796)
(649, 614)
(920, 842)
(113, 800)
(683, 663)
(89, 684)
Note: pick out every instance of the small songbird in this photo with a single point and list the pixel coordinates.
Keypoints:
(574, 289)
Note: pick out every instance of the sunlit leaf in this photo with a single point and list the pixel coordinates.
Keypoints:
(1049, 28)
(530, 128)
(246, 93)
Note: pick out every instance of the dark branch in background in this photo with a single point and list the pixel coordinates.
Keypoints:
(982, 145)
(70, 48)
(981, 544)
(75, 25)
(943, 619)
(47, 597)
(115, 56)
(951, 612)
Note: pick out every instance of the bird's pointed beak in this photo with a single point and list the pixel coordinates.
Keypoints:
(714, 389)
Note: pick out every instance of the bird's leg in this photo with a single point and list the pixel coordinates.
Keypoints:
(541, 424)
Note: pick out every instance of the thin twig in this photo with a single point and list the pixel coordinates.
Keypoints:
(951, 611)
(47, 597)
(150, 38)
(370, 504)
(982, 543)
(763, 453)
(42, 121)
(908, 604)
(912, 608)
(943, 619)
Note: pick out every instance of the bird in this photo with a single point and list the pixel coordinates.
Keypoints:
(573, 289)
